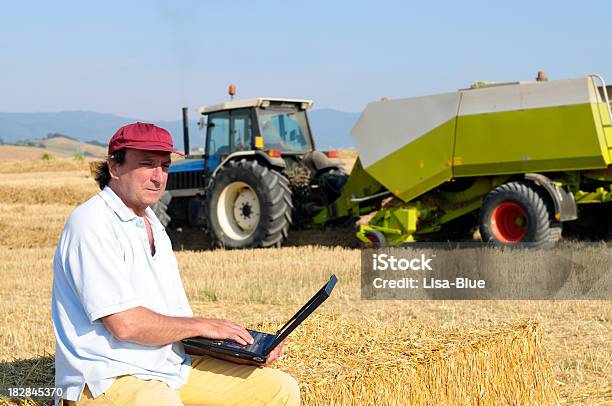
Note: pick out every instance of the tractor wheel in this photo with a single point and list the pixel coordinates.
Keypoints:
(248, 206)
(516, 213)
(196, 212)
(376, 239)
(161, 208)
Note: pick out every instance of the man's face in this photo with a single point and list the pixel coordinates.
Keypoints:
(141, 179)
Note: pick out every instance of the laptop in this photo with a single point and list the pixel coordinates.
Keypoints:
(263, 343)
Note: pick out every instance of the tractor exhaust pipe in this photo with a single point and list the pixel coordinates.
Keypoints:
(186, 130)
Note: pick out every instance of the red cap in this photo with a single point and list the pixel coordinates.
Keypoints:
(144, 136)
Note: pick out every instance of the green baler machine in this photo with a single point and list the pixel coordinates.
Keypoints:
(516, 160)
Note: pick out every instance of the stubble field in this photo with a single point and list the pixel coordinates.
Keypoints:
(264, 287)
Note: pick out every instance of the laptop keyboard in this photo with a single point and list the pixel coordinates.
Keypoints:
(260, 340)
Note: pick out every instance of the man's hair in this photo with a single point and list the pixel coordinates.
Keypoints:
(102, 172)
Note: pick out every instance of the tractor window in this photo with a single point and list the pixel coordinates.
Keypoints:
(285, 130)
(241, 130)
(217, 138)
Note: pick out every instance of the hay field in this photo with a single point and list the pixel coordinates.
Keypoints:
(359, 352)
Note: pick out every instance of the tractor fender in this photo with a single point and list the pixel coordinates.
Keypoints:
(276, 163)
(563, 202)
(317, 162)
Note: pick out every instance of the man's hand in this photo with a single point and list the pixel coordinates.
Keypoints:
(275, 354)
(272, 357)
(218, 329)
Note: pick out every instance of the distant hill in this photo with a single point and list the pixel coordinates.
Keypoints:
(70, 147)
(84, 125)
(331, 128)
(57, 147)
(8, 152)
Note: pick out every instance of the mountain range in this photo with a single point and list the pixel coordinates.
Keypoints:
(331, 128)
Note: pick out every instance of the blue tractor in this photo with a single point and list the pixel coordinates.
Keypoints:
(259, 174)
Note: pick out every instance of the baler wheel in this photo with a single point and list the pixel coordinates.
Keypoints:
(376, 239)
(515, 213)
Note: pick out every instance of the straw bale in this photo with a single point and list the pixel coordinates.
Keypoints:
(351, 362)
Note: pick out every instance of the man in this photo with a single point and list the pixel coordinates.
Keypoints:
(118, 305)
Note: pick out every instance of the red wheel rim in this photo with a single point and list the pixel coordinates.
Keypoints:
(374, 241)
(509, 222)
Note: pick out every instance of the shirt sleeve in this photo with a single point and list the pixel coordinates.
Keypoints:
(95, 263)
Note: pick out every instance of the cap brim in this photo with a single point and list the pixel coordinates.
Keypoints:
(179, 153)
(156, 148)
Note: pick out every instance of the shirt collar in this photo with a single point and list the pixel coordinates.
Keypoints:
(153, 220)
(116, 204)
(123, 212)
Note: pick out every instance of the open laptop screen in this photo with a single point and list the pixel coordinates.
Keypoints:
(304, 312)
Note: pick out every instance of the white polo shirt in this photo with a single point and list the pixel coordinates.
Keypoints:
(103, 265)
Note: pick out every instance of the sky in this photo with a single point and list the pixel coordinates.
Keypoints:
(146, 59)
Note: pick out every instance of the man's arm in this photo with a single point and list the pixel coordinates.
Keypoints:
(143, 326)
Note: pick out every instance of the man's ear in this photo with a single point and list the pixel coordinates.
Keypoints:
(112, 169)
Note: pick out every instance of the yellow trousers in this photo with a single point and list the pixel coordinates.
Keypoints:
(211, 382)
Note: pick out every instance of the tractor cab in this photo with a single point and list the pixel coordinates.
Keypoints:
(277, 127)
(259, 174)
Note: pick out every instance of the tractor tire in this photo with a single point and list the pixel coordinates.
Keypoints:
(516, 214)
(248, 205)
(196, 212)
(161, 209)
